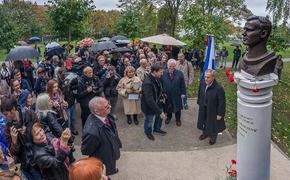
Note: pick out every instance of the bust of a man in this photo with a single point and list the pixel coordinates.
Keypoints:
(257, 60)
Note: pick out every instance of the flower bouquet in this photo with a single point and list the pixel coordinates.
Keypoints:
(87, 42)
(231, 170)
(230, 74)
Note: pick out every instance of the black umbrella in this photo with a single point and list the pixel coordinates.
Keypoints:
(121, 50)
(54, 51)
(104, 39)
(101, 46)
(119, 37)
(22, 52)
(34, 39)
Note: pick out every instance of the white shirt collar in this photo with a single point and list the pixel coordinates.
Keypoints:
(101, 118)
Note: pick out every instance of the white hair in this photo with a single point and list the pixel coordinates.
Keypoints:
(171, 61)
(95, 103)
(211, 71)
(143, 60)
(41, 104)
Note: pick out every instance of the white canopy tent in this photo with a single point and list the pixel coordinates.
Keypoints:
(163, 39)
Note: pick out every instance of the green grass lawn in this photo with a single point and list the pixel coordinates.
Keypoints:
(281, 106)
(285, 53)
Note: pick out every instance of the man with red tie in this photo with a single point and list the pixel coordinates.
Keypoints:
(174, 87)
(100, 136)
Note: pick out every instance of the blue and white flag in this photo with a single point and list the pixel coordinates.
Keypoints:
(210, 58)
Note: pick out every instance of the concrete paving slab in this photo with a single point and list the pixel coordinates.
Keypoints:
(178, 155)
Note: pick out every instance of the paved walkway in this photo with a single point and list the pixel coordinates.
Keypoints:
(178, 155)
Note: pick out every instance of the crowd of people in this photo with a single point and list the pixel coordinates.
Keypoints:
(38, 105)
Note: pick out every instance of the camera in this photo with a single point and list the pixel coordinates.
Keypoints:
(16, 124)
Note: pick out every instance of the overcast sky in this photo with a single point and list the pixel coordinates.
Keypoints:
(258, 7)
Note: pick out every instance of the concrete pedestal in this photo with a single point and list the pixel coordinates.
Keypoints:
(254, 125)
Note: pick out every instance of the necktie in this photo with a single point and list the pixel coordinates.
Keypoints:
(171, 76)
(107, 122)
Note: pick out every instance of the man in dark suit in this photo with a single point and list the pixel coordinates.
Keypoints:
(89, 86)
(174, 87)
(100, 136)
(150, 102)
(237, 54)
(212, 107)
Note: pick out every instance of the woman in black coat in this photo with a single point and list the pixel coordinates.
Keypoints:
(212, 107)
(110, 82)
(89, 87)
(50, 155)
(48, 118)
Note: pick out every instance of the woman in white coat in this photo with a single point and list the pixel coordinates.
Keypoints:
(129, 88)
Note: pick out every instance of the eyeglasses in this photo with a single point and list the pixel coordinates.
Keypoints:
(108, 106)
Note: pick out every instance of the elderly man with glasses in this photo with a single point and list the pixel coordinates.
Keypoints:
(100, 136)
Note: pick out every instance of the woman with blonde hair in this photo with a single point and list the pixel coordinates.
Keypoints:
(88, 168)
(129, 88)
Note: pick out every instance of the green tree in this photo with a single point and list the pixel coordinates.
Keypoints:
(146, 13)
(212, 17)
(173, 8)
(280, 10)
(148, 20)
(24, 18)
(164, 22)
(128, 24)
(279, 38)
(8, 34)
(103, 22)
(69, 18)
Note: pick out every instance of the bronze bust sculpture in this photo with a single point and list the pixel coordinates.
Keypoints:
(257, 60)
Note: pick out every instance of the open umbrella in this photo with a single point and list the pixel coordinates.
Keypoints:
(121, 50)
(118, 38)
(22, 52)
(54, 51)
(104, 39)
(163, 39)
(52, 45)
(106, 45)
(34, 39)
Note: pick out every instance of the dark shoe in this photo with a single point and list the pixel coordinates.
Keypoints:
(114, 172)
(151, 137)
(202, 137)
(75, 132)
(167, 121)
(129, 119)
(136, 121)
(212, 141)
(160, 132)
(178, 123)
